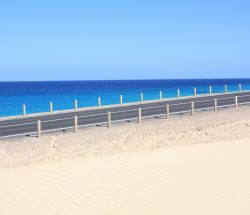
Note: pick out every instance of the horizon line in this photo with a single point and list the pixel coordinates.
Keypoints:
(147, 79)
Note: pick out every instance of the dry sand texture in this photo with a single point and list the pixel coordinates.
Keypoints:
(207, 179)
(204, 127)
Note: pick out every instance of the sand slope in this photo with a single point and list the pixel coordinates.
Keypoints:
(203, 127)
(199, 179)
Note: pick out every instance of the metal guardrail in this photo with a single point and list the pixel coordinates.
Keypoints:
(99, 103)
(132, 114)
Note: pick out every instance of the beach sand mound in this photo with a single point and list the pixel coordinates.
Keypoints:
(198, 179)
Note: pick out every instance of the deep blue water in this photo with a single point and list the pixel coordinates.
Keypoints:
(37, 95)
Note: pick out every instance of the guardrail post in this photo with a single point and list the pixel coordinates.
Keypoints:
(75, 123)
(76, 104)
(24, 109)
(195, 92)
(240, 88)
(139, 115)
(120, 99)
(192, 108)
(167, 111)
(215, 105)
(225, 88)
(51, 107)
(178, 93)
(39, 129)
(99, 102)
(160, 95)
(109, 119)
(142, 97)
(236, 102)
(210, 90)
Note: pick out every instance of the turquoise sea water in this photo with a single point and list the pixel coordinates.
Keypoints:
(37, 95)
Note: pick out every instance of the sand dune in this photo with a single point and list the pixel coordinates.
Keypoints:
(199, 179)
(133, 169)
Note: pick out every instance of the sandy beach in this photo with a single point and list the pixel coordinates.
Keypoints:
(185, 165)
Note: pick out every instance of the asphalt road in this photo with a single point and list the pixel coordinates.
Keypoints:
(96, 116)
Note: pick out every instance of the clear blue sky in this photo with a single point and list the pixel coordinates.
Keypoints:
(133, 39)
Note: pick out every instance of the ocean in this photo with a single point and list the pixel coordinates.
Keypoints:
(37, 95)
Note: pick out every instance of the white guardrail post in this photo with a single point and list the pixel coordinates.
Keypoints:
(39, 129)
(142, 97)
(195, 92)
(160, 95)
(178, 93)
(210, 90)
(51, 107)
(24, 109)
(215, 105)
(121, 100)
(99, 102)
(236, 102)
(225, 88)
(75, 123)
(167, 111)
(76, 104)
(240, 88)
(109, 119)
(192, 108)
(139, 115)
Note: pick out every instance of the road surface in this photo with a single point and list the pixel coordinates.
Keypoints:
(96, 116)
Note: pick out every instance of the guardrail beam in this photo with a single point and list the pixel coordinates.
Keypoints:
(19, 127)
